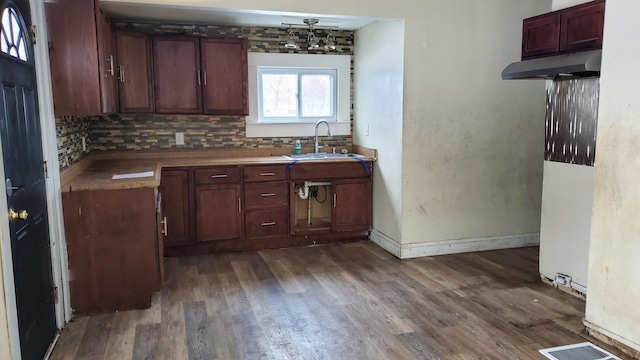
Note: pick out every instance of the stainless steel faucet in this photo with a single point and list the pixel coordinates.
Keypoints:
(316, 148)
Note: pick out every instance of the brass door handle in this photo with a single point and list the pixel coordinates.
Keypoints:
(22, 214)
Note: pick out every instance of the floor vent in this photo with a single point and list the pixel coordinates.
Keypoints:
(582, 351)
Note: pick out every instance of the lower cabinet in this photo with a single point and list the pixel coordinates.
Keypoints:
(352, 204)
(218, 212)
(236, 208)
(115, 252)
(174, 187)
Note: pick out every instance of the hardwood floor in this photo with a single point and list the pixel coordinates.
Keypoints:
(344, 301)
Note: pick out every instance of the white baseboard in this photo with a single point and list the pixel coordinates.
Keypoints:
(613, 339)
(444, 247)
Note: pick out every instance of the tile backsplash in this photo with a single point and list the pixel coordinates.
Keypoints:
(69, 133)
(157, 131)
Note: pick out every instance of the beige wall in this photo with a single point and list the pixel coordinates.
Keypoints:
(614, 269)
(5, 350)
(378, 110)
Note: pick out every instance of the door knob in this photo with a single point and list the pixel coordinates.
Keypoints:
(15, 215)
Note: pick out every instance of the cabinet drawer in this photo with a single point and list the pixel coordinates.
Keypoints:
(265, 173)
(268, 194)
(218, 175)
(325, 171)
(266, 222)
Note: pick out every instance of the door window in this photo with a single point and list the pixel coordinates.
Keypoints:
(12, 37)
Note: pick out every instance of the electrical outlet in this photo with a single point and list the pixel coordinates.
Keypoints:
(366, 133)
(84, 143)
(179, 138)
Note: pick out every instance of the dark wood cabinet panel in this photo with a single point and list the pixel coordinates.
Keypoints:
(224, 66)
(260, 223)
(217, 175)
(266, 194)
(540, 35)
(106, 63)
(325, 171)
(577, 28)
(73, 57)
(174, 187)
(265, 173)
(177, 74)
(582, 27)
(135, 84)
(352, 205)
(218, 212)
(112, 245)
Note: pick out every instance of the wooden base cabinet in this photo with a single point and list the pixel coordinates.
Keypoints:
(176, 207)
(352, 200)
(218, 212)
(115, 253)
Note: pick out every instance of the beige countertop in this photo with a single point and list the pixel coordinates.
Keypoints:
(95, 171)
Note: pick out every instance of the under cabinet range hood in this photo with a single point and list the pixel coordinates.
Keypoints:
(580, 64)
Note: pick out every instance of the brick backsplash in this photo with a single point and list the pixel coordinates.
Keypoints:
(157, 131)
(69, 133)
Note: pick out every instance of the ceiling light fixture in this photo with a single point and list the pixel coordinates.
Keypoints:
(312, 42)
(291, 41)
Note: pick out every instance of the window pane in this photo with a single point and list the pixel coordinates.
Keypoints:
(316, 95)
(279, 95)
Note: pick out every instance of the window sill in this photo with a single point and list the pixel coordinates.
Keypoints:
(299, 129)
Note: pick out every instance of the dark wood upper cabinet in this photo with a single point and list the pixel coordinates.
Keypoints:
(224, 66)
(78, 49)
(106, 63)
(135, 81)
(582, 27)
(577, 28)
(177, 74)
(540, 35)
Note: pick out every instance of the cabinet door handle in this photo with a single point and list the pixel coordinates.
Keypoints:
(335, 199)
(268, 224)
(267, 174)
(111, 71)
(219, 176)
(267, 194)
(239, 205)
(164, 226)
(121, 73)
(199, 78)
(204, 77)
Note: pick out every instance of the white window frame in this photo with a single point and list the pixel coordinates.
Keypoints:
(341, 63)
(299, 73)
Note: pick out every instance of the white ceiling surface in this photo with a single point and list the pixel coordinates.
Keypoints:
(216, 16)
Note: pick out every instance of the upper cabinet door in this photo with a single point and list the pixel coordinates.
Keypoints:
(177, 74)
(74, 57)
(224, 66)
(540, 35)
(134, 72)
(582, 27)
(106, 63)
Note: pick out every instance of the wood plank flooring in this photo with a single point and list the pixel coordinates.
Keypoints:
(343, 301)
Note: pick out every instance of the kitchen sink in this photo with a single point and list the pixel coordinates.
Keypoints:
(321, 156)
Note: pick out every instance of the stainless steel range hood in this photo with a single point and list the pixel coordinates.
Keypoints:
(581, 64)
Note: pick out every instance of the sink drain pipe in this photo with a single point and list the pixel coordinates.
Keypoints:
(303, 193)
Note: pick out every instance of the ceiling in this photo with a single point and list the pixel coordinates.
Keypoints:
(229, 17)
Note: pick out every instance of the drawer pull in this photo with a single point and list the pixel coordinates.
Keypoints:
(267, 174)
(268, 194)
(268, 224)
(221, 176)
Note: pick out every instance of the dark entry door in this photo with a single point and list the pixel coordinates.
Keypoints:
(25, 183)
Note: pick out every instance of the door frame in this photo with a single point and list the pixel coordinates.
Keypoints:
(59, 259)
